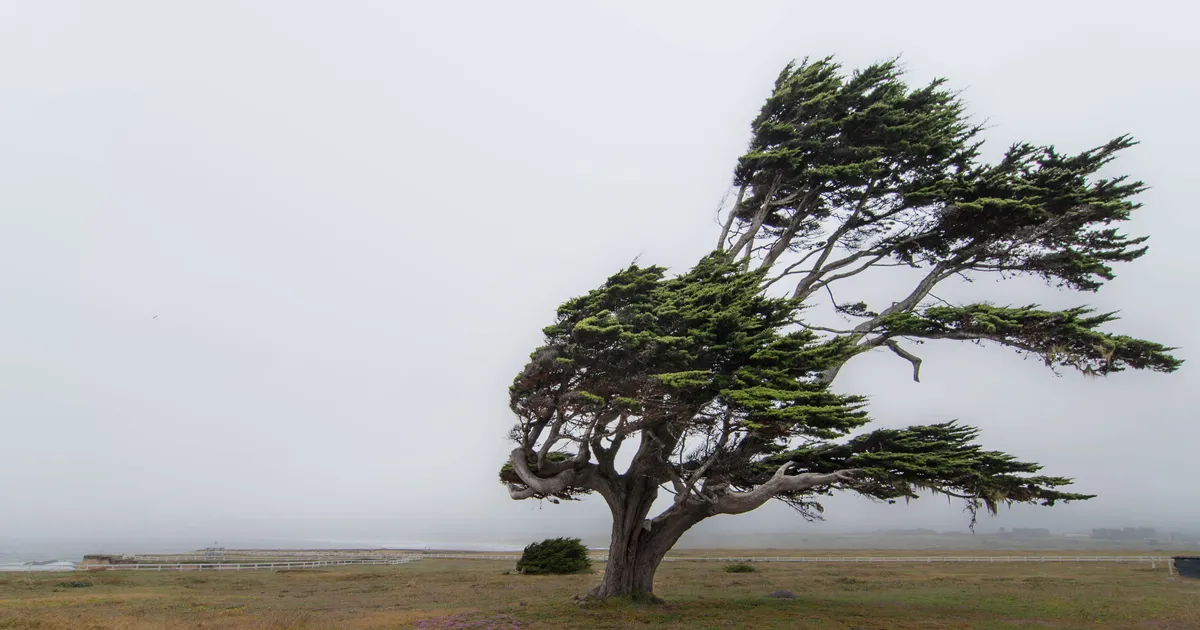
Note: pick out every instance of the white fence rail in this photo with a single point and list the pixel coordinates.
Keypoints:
(927, 559)
(238, 566)
(393, 559)
(840, 559)
(267, 553)
(254, 558)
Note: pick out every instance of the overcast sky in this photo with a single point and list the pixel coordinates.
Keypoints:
(268, 268)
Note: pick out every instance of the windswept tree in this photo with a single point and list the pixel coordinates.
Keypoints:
(721, 389)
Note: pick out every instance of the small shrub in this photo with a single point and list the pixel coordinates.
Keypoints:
(740, 567)
(555, 556)
(73, 584)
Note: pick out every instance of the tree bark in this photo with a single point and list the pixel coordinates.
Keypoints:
(638, 545)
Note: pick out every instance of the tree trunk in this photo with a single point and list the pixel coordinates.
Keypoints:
(638, 546)
(628, 571)
(630, 574)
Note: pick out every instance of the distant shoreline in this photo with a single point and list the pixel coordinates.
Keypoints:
(15, 552)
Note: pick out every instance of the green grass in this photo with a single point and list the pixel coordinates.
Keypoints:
(475, 593)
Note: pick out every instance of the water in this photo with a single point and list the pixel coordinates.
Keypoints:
(55, 565)
(29, 554)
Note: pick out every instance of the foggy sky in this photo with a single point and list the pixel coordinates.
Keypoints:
(352, 220)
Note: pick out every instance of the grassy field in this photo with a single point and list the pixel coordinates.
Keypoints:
(467, 594)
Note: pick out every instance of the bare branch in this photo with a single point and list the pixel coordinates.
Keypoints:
(732, 215)
(520, 494)
(681, 490)
(846, 274)
(789, 271)
(811, 283)
(551, 439)
(936, 274)
(823, 329)
(756, 222)
(904, 354)
(732, 502)
(690, 485)
(533, 430)
(784, 241)
(940, 300)
(802, 289)
(805, 285)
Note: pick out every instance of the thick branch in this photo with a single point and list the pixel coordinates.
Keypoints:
(536, 485)
(551, 439)
(732, 502)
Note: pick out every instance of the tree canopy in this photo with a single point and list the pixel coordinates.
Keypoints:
(723, 385)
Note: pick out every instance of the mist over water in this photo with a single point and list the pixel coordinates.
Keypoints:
(60, 554)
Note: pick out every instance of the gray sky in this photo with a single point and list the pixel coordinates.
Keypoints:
(352, 220)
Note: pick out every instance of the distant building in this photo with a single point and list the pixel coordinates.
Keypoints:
(1127, 533)
(1024, 532)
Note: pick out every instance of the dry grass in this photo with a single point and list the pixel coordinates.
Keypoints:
(476, 594)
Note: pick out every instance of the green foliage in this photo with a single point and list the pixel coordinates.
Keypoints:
(896, 171)
(669, 346)
(708, 339)
(942, 458)
(1061, 338)
(724, 384)
(1034, 212)
(822, 134)
(555, 556)
(740, 567)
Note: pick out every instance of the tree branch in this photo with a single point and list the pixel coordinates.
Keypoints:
(904, 354)
(690, 485)
(536, 485)
(823, 329)
(804, 287)
(756, 222)
(551, 439)
(847, 274)
(936, 274)
(785, 239)
(732, 216)
(732, 502)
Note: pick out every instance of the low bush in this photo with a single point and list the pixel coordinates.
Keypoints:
(555, 556)
(740, 567)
